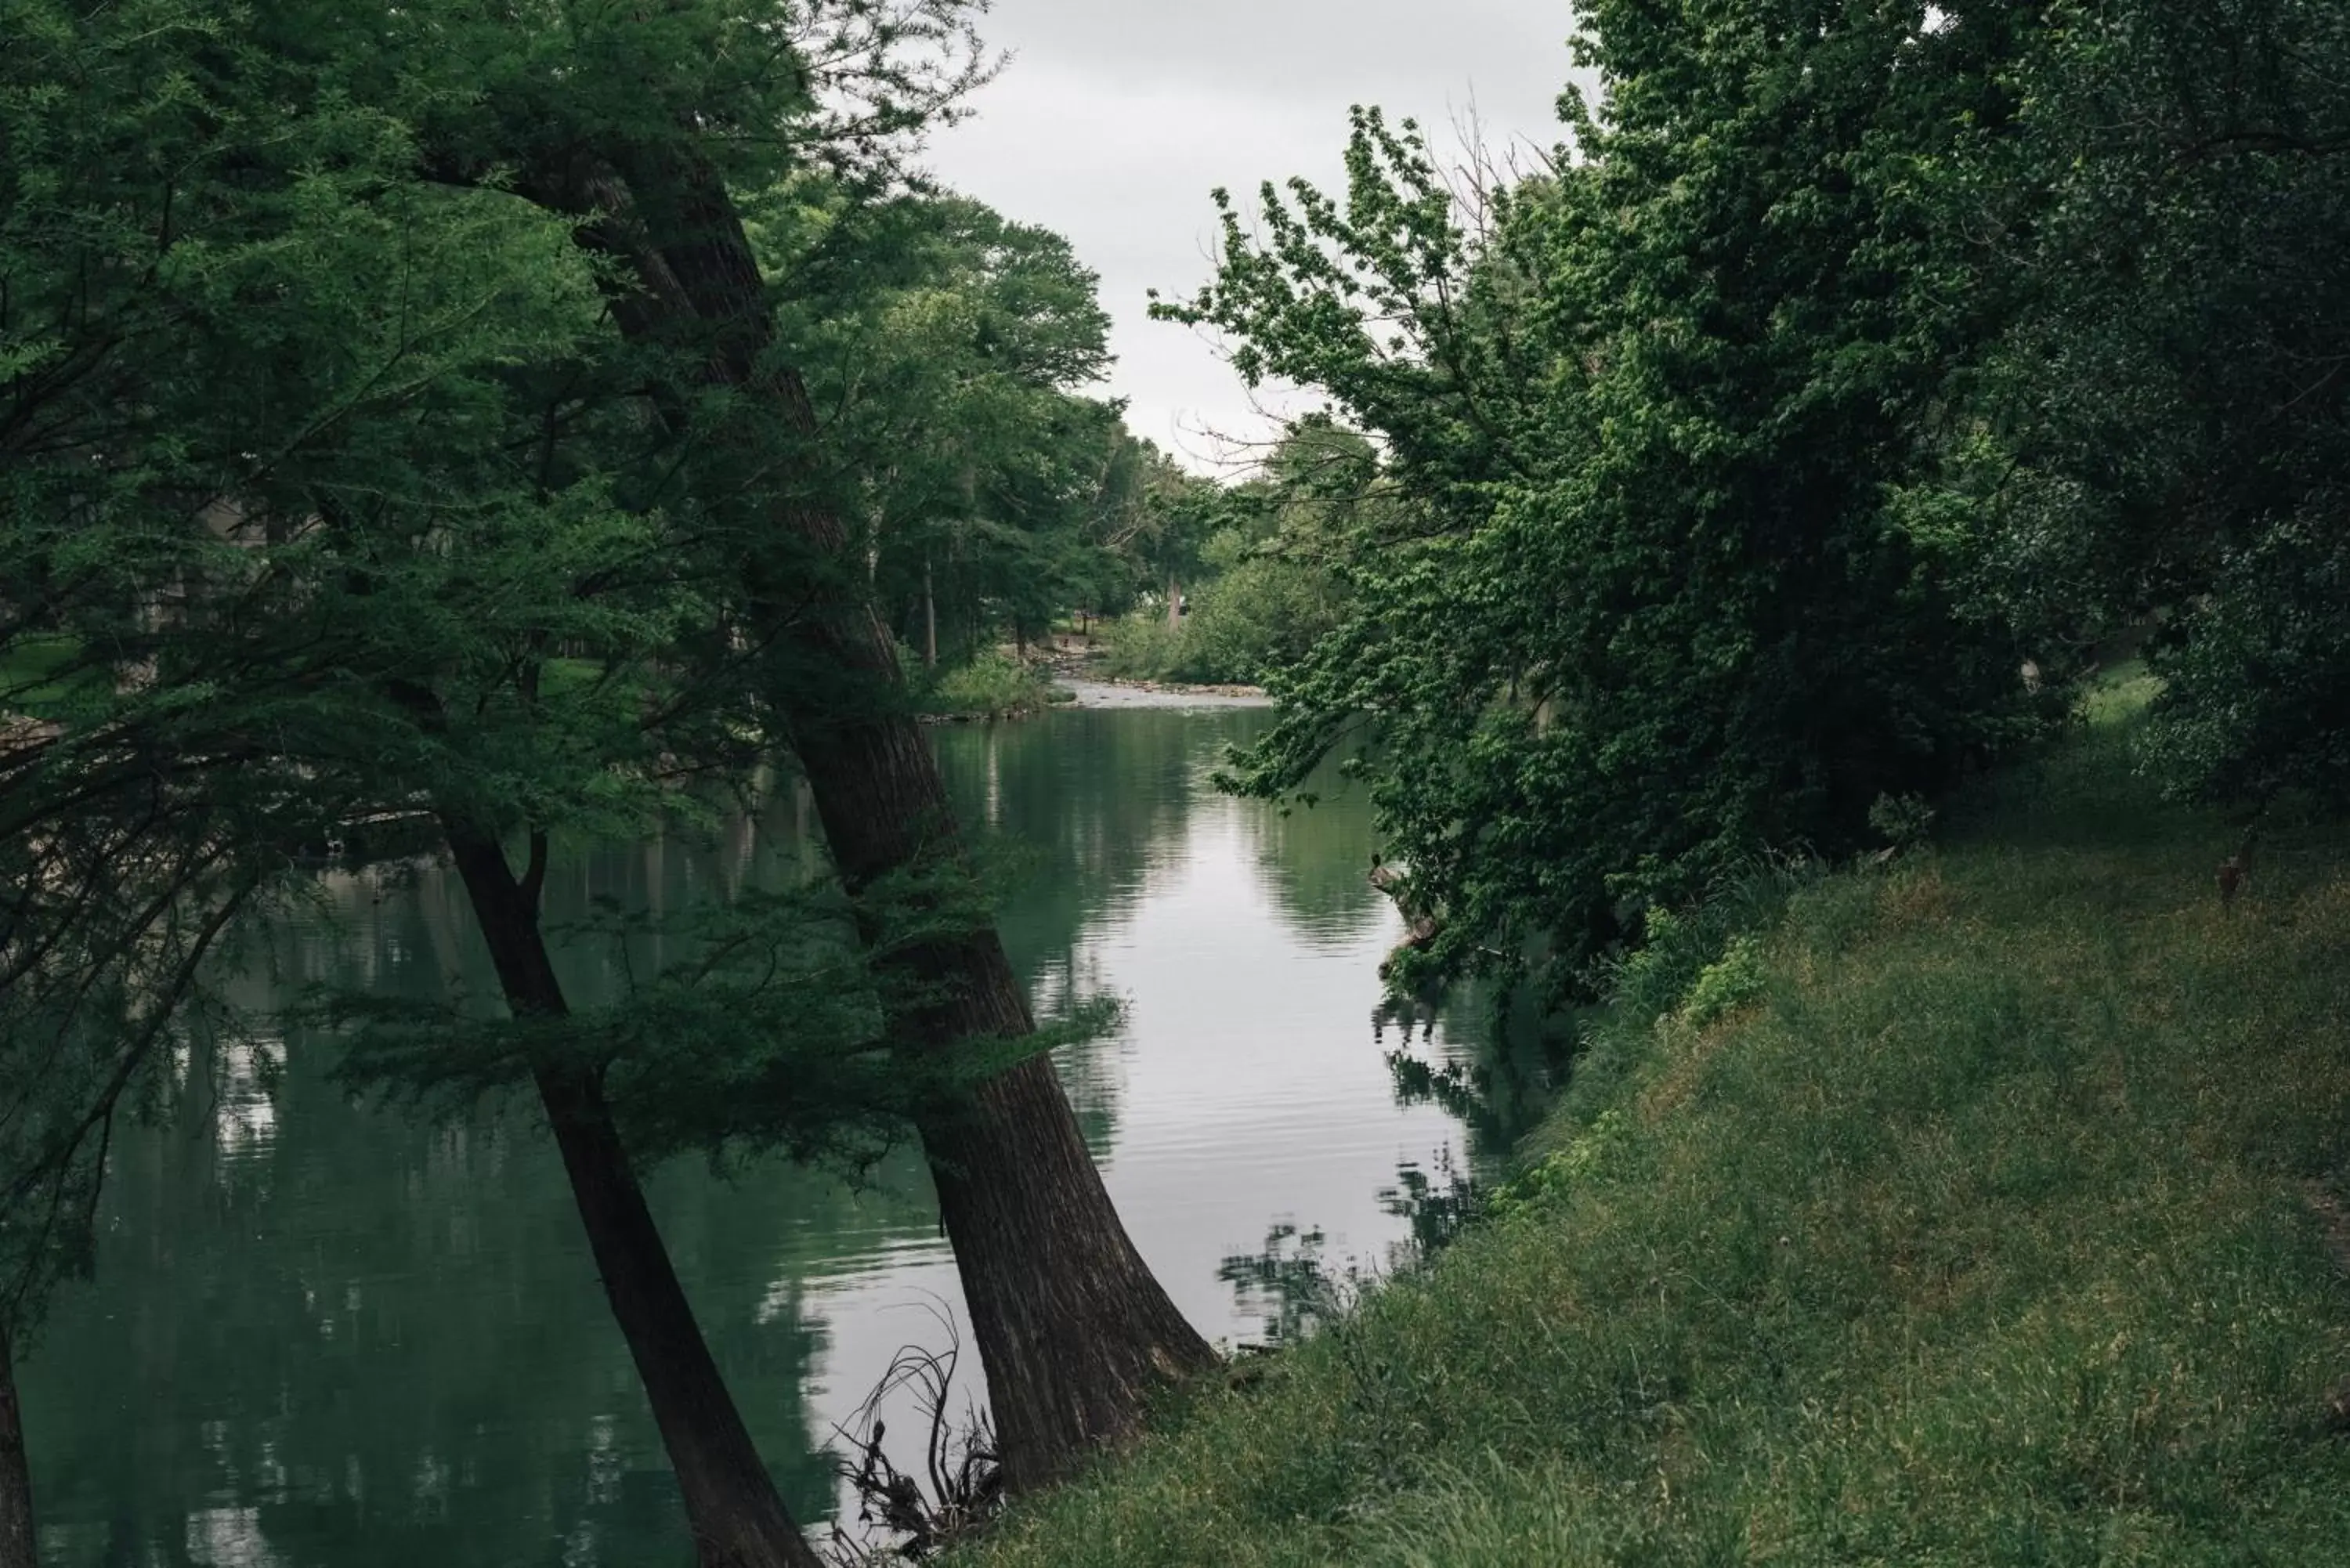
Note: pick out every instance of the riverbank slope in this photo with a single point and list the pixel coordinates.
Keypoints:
(1988, 1207)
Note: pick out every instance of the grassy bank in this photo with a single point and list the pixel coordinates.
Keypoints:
(1974, 1214)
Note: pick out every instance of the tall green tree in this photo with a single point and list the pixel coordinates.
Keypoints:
(2177, 401)
(652, 136)
(958, 394)
(1678, 582)
(401, 516)
(325, 511)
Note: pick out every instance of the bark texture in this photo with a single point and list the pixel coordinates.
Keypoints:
(1073, 1329)
(19, 1540)
(737, 1519)
(929, 621)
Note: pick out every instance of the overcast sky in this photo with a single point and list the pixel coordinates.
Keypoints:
(1116, 117)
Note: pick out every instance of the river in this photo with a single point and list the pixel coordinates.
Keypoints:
(328, 1334)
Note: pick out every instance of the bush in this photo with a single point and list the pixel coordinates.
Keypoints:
(1263, 615)
(1903, 820)
(1730, 982)
(992, 686)
(1143, 647)
(2253, 701)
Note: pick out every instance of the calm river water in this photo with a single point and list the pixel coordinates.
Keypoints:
(327, 1335)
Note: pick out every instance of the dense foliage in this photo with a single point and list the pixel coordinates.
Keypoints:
(468, 430)
(2178, 396)
(1678, 580)
(1791, 442)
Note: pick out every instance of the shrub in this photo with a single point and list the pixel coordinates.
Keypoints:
(994, 685)
(1143, 647)
(1264, 615)
(1731, 980)
(1903, 820)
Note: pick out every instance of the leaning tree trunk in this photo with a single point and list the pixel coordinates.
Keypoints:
(1071, 1328)
(929, 619)
(737, 1519)
(19, 1543)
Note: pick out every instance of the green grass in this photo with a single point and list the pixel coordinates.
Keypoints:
(1963, 1219)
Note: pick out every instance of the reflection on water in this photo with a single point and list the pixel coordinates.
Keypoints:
(1286, 1285)
(245, 1109)
(324, 1333)
(1498, 1082)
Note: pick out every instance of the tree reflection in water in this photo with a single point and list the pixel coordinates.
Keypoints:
(1504, 1069)
(1286, 1286)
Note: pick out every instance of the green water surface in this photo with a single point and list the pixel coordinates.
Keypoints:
(324, 1334)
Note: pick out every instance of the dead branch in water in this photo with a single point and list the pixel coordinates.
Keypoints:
(965, 1483)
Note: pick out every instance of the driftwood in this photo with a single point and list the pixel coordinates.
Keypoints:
(965, 1480)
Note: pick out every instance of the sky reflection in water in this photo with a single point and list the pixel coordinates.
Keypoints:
(323, 1334)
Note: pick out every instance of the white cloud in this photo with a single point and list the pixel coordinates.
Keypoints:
(1114, 123)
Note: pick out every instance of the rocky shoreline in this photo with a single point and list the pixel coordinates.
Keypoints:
(1078, 671)
(1088, 692)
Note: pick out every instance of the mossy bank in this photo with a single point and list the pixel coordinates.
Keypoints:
(1976, 1213)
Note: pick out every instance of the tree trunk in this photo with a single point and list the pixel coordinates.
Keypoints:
(737, 1519)
(20, 1541)
(929, 619)
(1174, 604)
(1071, 1328)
